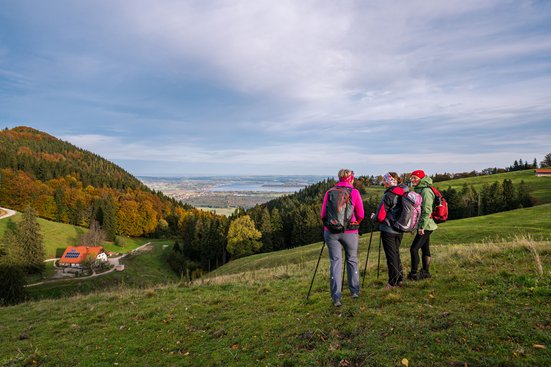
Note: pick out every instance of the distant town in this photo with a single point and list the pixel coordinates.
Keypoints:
(228, 192)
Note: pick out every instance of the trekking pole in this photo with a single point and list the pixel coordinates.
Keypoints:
(368, 249)
(315, 271)
(343, 270)
(379, 261)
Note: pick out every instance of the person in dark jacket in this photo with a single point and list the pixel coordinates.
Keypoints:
(421, 184)
(387, 213)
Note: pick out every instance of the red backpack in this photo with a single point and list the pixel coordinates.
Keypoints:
(440, 212)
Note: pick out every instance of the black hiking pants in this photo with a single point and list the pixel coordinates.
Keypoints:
(423, 243)
(391, 245)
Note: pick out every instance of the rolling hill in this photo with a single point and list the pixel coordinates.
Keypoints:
(539, 187)
(70, 185)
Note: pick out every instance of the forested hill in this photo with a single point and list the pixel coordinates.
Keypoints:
(293, 220)
(45, 157)
(67, 184)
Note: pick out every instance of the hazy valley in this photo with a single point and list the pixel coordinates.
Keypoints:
(225, 193)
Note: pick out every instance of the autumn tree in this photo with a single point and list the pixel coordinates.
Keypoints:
(243, 237)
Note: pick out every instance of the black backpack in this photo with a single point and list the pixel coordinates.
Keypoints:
(339, 210)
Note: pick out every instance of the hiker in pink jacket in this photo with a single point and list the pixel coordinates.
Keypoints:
(341, 213)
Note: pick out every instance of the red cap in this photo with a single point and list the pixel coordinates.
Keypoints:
(419, 173)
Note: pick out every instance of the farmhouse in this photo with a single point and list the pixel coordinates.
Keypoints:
(543, 172)
(74, 256)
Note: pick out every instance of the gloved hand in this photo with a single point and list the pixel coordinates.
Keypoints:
(372, 216)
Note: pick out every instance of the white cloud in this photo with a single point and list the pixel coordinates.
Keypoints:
(302, 71)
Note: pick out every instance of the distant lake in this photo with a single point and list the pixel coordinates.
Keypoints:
(259, 187)
(236, 184)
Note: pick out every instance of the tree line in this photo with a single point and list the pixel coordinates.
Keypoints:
(518, 165)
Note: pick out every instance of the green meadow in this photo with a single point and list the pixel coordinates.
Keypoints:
(539, 187)
(488, 304)
(58, 236)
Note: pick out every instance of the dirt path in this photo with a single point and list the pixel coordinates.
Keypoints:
(8, 213)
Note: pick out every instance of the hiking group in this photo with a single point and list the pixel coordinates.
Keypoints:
(401, 210)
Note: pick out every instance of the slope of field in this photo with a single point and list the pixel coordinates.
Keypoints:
(539, 187)
(487, 304)
(534, 222)
(57, 236)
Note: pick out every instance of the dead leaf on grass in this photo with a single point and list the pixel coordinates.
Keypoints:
(405, 362)
(539, 346)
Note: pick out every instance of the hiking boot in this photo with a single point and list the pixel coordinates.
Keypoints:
(413, 276)
(424, 274)
(337, 303)
(355, 295)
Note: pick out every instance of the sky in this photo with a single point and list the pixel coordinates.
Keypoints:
(283, 87)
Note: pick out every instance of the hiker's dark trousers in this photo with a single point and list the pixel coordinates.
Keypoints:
(391, 245)
(423, 243)
(335, 242)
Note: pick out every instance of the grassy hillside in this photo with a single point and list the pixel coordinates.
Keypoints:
(487, 304)
(539, 187)
(57, 236)
(535, 221)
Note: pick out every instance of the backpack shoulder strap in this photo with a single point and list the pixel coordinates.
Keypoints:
(435, 191)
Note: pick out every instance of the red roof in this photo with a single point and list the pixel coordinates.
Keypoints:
(543, 170)
(77, 254)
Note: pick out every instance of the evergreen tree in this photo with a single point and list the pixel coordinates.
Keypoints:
(546, 161)
(524, 197)
(176, 247)
(454, 203)
(11, 250)
(468, 202)
(266, 229)
(109, 224)
(29, 239)
(510, 195)
(492, 198)
(276, 223)
(59, 198)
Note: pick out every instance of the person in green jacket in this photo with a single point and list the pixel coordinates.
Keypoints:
(421, 184)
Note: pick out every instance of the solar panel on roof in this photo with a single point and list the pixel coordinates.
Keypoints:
(73, 254)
